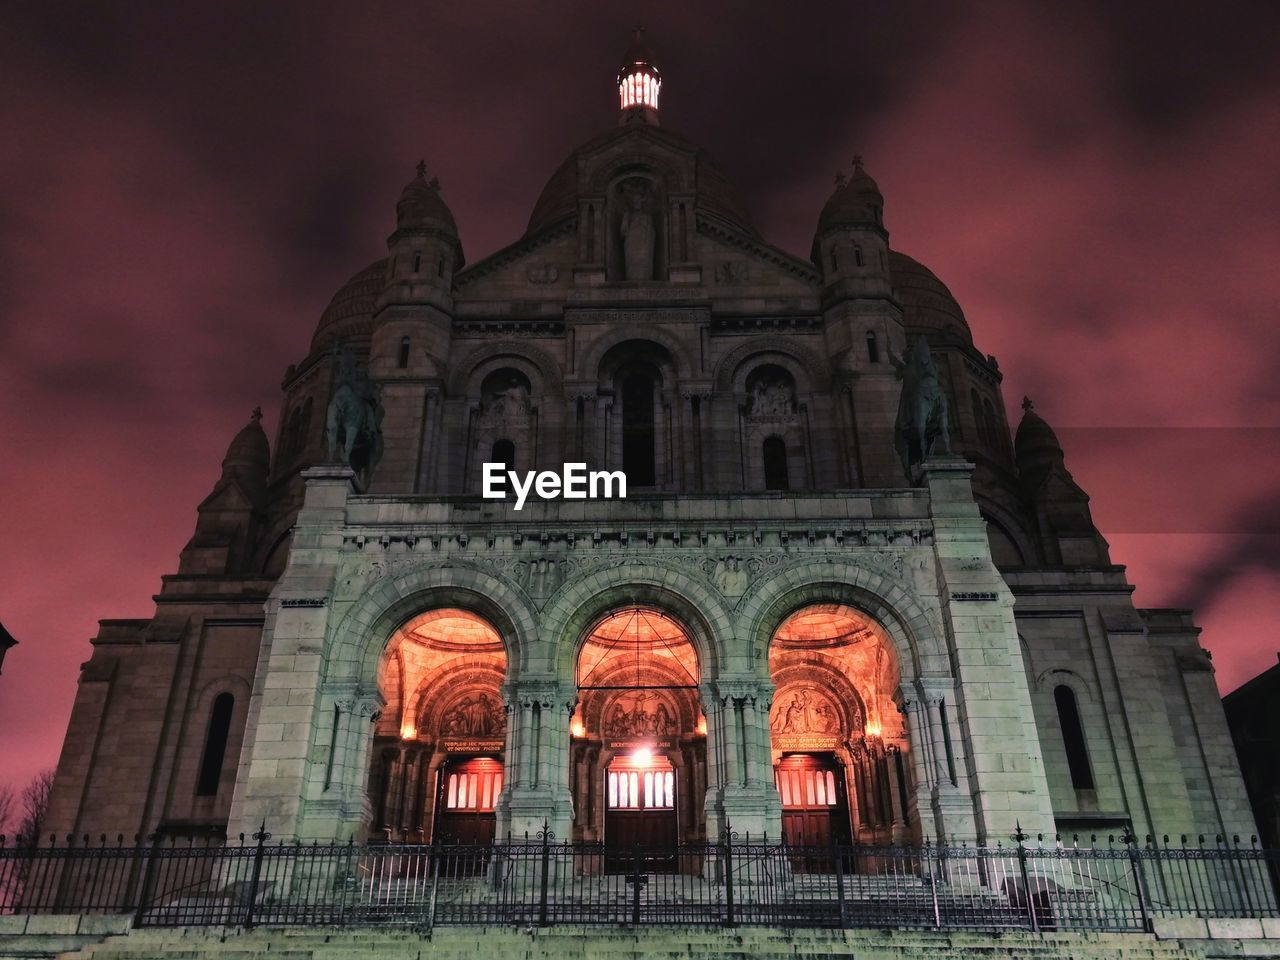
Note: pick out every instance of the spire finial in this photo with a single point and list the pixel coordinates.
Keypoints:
(841, 179)
(422, 169)
(256, 416)
(857, 162)
(1027, 405)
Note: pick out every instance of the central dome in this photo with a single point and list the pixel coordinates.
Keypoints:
(714, 193)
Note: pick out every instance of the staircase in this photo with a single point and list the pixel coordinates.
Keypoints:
(652, 943)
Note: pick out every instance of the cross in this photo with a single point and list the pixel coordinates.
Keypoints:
(257, 414)
(840, 178)
(857, 161)
(422, 169)
(1027, 405)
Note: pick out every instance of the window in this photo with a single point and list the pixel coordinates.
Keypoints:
(504, 452)
(402, 358)
(475, 789)
(638, 433)
(417, 262)
(802, 787)
(857, 254)
(873, 347)
(976, 402)
(989, 416)
(1073, 737)
(775, 464)
(633, 790)
(215, 745)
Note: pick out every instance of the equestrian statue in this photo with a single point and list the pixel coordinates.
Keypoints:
(353, 429)
(922, 408)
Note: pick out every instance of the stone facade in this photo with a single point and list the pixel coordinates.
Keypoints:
(641, 323)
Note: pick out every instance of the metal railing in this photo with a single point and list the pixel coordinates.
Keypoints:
(1031, 884)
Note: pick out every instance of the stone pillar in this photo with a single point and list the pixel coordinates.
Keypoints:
(280, 773)
(539, 792)
(1000, 770)
(898, 816)
(749, 802)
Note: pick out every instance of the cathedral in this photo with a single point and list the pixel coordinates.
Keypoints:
(842, 599)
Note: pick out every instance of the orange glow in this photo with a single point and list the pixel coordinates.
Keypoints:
(873, 728)
(577, 729)
(702, 724)
(408, 732)
(642, 757)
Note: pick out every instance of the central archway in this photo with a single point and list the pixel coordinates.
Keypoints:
(638, 734)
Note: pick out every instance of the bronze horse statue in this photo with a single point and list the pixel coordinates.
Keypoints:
(353, 429)
(923, 411)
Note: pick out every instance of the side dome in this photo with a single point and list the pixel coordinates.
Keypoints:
(714, 192)
(927, 305)
(349, 315)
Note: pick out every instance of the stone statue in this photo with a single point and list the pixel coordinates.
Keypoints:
(473, 717)
(353, 428)
(922, 408)
(772, 397)
(637, 232)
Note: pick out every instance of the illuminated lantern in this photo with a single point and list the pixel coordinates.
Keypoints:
(639, 82)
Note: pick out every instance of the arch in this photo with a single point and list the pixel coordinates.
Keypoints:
(360, 637)
(580, 602)
(915, 640)
(589, 364)
(811, 372)
(998, 512)
(503, 452)
(542, 369)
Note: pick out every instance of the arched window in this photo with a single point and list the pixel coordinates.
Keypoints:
(775, 464)
(440, 267)
(402, 358)
(417, 262)
(1073, 737)
(292, 432)
(835, 264)
(215, 745)
(989, 416)
(873, 347)
(504, 452)
(857, 254)
(978, 421)
(638, 435)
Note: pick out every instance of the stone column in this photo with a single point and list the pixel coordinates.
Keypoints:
(540, 792)
(750, 801)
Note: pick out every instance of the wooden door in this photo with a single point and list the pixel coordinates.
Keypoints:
(465, 801)
(814, 810)
(640, 813)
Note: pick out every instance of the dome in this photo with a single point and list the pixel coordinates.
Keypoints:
(715, 193)
(350, 312)
(1036, 447)
(421, 205)
(927, 305)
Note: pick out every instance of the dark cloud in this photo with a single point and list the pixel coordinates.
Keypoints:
(184, 186)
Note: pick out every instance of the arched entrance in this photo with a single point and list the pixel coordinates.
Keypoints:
(638, 761)
(838, 740)
(437, 770)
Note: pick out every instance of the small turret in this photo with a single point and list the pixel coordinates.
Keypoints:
(851, 245)
(1063, 519)
(227, 518)
(424, 251)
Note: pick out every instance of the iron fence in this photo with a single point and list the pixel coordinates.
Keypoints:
(1036, 884)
